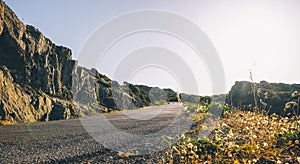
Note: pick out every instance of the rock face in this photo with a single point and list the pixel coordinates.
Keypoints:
(32, 58)
(25, 104)
(35, 74)
(269, 96)
(94, 89)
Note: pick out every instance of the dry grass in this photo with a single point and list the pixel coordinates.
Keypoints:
(240, 137)
(125, 155)
(5, 122)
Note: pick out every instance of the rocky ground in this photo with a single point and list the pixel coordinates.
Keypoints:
(67, 141)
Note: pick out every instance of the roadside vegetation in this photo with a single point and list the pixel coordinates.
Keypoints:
(4, 122)
(239, 136)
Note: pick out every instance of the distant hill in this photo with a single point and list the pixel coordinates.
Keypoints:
(272, 96)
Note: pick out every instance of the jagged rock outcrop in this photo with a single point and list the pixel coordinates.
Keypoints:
(269, 96)
(94, 89)
(25, 104)
(35, 74)
(32, 58)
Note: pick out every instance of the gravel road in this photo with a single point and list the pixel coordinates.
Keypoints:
(91, 139)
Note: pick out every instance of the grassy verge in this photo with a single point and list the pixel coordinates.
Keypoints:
(239, 137)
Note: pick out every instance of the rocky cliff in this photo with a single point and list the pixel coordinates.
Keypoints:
(35, 73)
(25, 104)
(32, 58)
(96, 91)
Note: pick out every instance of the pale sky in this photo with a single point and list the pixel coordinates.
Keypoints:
(263, 35)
